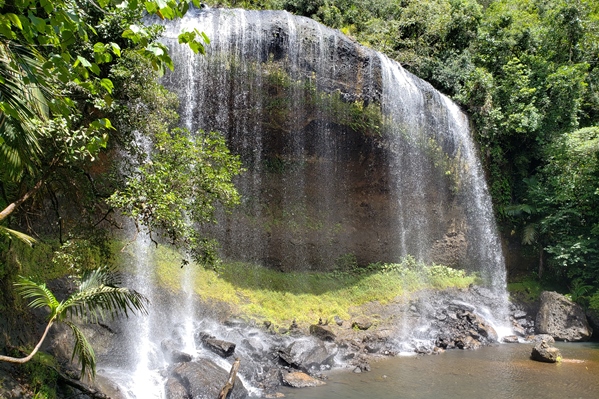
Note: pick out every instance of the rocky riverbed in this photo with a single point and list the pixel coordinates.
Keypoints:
(428, 322)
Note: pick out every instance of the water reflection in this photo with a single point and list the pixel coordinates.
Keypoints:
(503, 371)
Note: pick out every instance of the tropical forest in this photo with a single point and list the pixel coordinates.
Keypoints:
(268, 198)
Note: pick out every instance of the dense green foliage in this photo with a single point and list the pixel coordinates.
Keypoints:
(80, 109)
(527, 73)
(79, 87)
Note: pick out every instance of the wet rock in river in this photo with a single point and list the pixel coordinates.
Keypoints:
(307, 354)
(298, 379)
(544, 352)
(201, 379)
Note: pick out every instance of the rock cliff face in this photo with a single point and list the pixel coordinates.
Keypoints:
(348, 156)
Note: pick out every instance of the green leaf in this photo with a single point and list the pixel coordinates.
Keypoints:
(107, 84)
(14, 19)
(38, 23)
(95, 68)
(116, 49)
(83, 62)
(151, 7)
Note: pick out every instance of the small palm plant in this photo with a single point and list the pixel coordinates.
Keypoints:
(98, 297)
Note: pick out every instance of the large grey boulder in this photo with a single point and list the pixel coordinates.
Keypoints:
(544, 352)
(561, 318)
(201, 379)
(305, 354)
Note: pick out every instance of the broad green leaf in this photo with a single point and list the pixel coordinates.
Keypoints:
(38, 23)
(14, 19)
(95, 68)
(83, 62)
(107, 84)
(116, 49)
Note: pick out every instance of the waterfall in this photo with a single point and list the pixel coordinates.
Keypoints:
(348, 158)
(324, 181)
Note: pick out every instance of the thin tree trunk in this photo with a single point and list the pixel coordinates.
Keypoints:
(28, 357)
(231, 381)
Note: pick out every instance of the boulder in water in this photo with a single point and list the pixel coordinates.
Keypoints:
(220, 347)
(544, 352)
(306, 354)
(172, 353)
(201, 379)
(323, 332)
(298, 379)
(561, 318)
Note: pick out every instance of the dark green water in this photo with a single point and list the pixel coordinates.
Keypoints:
(503, 371)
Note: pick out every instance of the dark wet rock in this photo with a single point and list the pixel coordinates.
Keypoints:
(298, 379)
(544, 352)
(307, 354)
(201, 379)
(561, 318)
(519, 314)
(107, 387)
(338, 321)
(322, 332)
(360, 364)
(362, 323)
(254, 344)
(174, 389)
(171, 352)
(456, 304)
(467, 342)
(220, 347)
(510, 339)
(268, 380)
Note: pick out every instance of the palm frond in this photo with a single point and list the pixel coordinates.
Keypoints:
(39, 294)
(98, 303)
(24, 87)
(98, 277)
(99, 298)
(17, 234)
(84, 352)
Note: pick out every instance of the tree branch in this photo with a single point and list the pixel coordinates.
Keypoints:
(11, 207)
(231, 381)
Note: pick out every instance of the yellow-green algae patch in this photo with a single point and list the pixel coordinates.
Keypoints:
(263, 294)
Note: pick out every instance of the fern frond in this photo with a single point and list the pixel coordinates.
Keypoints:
(84, 352)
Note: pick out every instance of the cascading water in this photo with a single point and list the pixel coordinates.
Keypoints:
(348, 156)
(346, 152)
